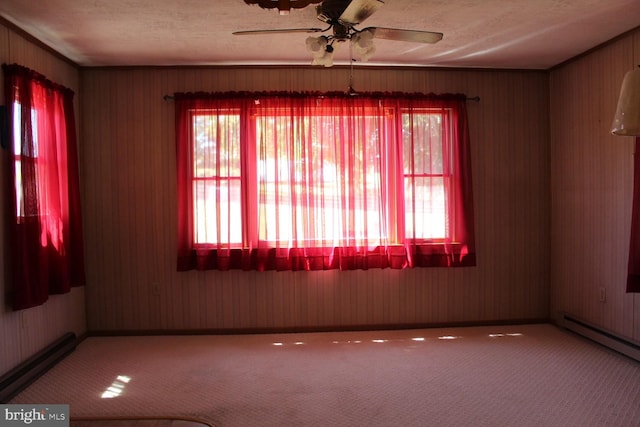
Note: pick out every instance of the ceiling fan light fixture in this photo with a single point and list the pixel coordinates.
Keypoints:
(365, 54)
(325, 60)
(316, 45)
(321, 50)
(363, 39)
(362, 43)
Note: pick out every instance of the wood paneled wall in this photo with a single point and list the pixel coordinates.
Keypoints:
(24, 333)
(129, 206)
(592, 185)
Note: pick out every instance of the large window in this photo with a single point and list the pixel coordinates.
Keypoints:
(45, 232)
(303, 181)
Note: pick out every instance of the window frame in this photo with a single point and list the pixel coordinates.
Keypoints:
(447, 174)
(211, 178)
(395, 116)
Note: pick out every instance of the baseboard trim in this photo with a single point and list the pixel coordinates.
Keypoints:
(17, 379)
(601, 336)
(305, 329)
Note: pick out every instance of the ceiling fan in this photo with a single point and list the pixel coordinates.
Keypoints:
(342, 16)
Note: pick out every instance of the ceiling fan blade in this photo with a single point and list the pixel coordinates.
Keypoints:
(359, 10)
(405, 35)
(278, 31)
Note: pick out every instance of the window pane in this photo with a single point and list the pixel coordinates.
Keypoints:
(422, 140)
(320, 184)
(19, 192)
(216, 145)
(425, 213)
(217, 211)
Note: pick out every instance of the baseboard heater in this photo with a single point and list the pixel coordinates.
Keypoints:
(601, 336)
(24, 374)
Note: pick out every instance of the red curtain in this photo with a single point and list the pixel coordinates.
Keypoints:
(45, 228)
(633, 277)
(308, 181)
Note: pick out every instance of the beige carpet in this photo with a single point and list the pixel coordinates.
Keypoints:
(528, 375)
(136, 422)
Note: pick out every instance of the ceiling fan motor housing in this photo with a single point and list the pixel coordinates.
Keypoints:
(341, 32)
(330, 10)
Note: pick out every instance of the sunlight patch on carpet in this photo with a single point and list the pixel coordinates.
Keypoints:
(117, 387)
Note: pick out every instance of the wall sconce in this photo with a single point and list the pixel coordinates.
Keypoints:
(626, 122)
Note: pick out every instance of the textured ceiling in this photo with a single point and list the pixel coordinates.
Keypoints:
(524, 34)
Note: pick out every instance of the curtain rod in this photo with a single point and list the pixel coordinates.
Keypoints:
(468, 98)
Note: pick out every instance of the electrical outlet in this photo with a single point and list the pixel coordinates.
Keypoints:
(603, 295)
